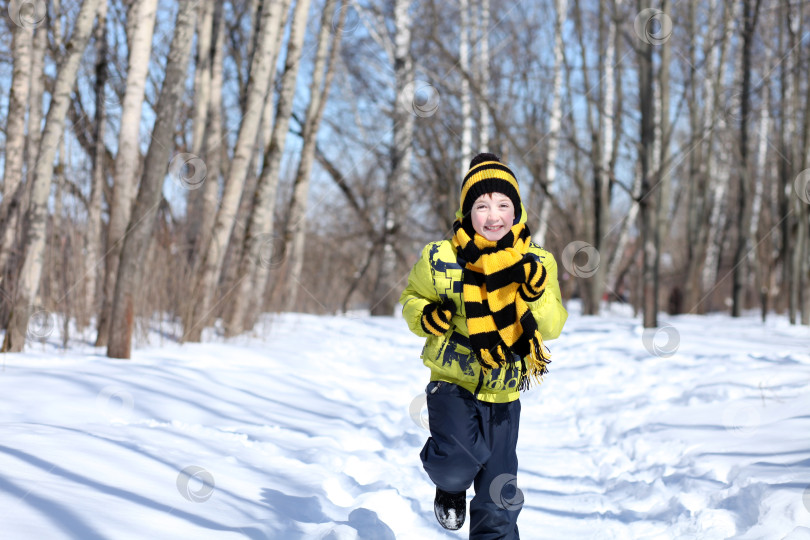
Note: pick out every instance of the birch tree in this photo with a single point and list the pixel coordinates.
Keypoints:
(214, 253)
(466, 98)
(35, 219)
(322, 74)
(717, 173)
(92, 240)
(647, 209)
(750, 16)
(139, 231)
(203, 82)
(385, 293)
(206, 206)
(21, 44)
(254, 263)
(483, 78)
(140, 28)
(555, 120)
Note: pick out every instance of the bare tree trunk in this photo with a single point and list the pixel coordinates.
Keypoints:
(750, 15)
(127, 160)
(255, 260)
(555, 121)
(36, 216)
(799, 222)
(664, 169)
(802, 258)
(696, 200)
(384, 296)
(92, 246)
(21, 45)
(604, 173)
(786, 136)
(466, 98)
(213, 145)
(35, 95)
(139, 231)
(804, 218)
(202, 95)
(260, 72)
(624, 234)
(756, 279)
(647, 208)
(322, 75)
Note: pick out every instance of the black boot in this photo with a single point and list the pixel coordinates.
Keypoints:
(450, 509)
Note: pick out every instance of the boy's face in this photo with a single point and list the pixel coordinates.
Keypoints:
(492, 215)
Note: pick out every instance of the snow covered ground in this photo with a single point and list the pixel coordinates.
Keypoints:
(311, 428)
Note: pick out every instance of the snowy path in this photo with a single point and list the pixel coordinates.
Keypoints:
(306, 433)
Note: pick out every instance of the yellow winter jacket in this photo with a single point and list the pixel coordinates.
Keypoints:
(437, 275)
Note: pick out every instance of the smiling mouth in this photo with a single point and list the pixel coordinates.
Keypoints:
(493, 228)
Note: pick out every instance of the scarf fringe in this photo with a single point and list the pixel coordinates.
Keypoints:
(489, 360)
(536, 363)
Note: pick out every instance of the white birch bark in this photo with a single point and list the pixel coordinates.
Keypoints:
(322, 74)
(599, 283)
(213, 143)
(383, 298)
(718, 175)
(36, 216)
(127, 158)
(35, 95)
(555, 121)
(202, 95)
(260, 72)
(138, 236)
(92, 240)
(718, 217)
(466, 99)
(624, 233)
(759, 174)
(256, 257)
(663, 167)
(483, 79)
(21, 53)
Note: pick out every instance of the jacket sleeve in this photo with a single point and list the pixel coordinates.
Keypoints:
(548, 310)
(419, 293)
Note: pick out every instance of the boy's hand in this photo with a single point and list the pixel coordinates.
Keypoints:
(531, 275)
(436, 317)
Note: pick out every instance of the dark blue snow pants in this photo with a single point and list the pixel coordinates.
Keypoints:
(473, 442)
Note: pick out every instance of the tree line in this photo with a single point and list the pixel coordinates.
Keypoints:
(204, 162)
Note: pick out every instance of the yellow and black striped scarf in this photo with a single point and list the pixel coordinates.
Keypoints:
(498, 318)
